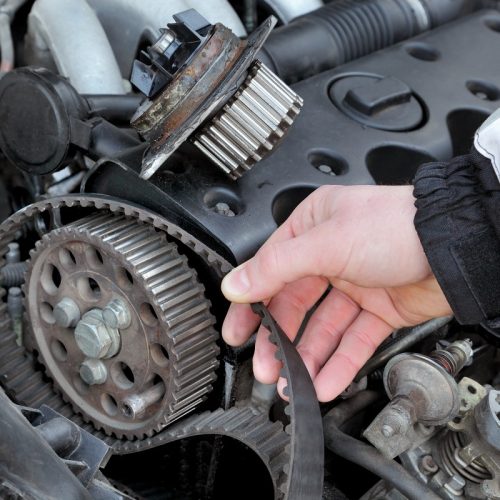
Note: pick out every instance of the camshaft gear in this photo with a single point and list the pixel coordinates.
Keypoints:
(121, 324)
(251, 124)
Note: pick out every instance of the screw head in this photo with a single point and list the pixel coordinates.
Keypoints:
(67, 313)
(92, 335)
(93, 372)
(116, 314)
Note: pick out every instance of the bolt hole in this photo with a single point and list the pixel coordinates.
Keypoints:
(422, 51)
(159, 355)
(88, 288)
(47, 313)
(483, 90)
(59, 350)
(457, 420)
(493, 23)
(109, 404)
(94, 257)
(50, 279)
(124, 278)
(122, 375)
(56, 276)
(472, 389)
(327, 163)
(127, 411)
(148, 314)
(67, 258)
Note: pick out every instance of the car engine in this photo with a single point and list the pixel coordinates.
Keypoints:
(147, 148)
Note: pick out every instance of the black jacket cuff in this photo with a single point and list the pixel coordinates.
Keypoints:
(455, 220)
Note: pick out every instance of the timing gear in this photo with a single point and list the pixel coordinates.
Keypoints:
(131, 378)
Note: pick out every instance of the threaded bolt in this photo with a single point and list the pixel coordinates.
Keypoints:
(93, 372)
(67, 313)
(454, 357)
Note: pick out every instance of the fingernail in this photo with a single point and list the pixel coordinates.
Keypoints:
(236, 283)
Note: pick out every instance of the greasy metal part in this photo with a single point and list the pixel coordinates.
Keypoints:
(100, 261)
(26, 383)
(56, 38)
(251, 124)
(423, 394)
(472, 450)
(453, 473)
(210, 79)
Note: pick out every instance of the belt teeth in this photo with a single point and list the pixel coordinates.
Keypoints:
(251, 124)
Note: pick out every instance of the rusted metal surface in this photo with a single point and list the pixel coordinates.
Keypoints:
(186, 104)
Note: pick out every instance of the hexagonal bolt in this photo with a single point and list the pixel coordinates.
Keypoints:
(67, 313)
(116, 314)
(135, 405)
(395, 423)
(93, 372)
(94, 338)
(429, 466)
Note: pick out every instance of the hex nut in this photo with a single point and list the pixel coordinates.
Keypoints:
(117, 314)
(93, 337)
(93, 372)
(67, 313)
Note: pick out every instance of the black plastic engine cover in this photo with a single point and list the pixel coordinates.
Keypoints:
(453, 74)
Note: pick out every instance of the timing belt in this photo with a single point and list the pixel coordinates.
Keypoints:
(294, 458)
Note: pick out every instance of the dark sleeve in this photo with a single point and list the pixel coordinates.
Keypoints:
(458, 222)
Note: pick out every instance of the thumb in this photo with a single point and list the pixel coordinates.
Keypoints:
(282, 262)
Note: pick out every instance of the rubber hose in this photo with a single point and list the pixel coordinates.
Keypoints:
(13, 274)
(345, 30)
(369, 458)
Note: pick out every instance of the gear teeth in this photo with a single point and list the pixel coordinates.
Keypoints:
(175, 294)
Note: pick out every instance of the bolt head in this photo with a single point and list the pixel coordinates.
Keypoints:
(388, 431)
(93, 372)
(92, 336)
(67, 313)
(116, 314)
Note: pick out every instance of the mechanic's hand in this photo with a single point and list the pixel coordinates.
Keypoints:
(362, 241)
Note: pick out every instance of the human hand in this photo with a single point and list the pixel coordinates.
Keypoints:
(362, 241)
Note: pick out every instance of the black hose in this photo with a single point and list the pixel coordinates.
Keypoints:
(369, 458)
(114, 107)
(345, 30)
(406, 338)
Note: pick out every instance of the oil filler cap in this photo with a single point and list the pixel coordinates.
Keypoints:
(384, 103)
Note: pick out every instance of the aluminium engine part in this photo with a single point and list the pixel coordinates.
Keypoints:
(461, 460)
(120, 323)
(423, 394)
(303, 466)
(285, 11)
(55, 39)
(128, 23)
(192, 71)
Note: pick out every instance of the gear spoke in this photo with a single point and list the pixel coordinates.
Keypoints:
(107, 298)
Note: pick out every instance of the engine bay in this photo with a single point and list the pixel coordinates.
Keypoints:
(147, 148)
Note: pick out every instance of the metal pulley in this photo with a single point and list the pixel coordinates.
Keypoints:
(205, 84)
